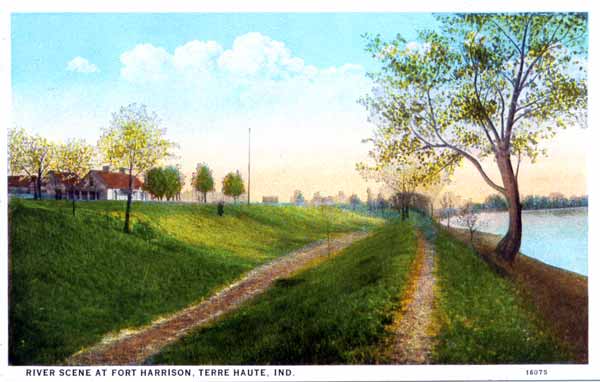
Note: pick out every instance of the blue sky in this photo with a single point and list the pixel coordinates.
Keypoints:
(43, 43)
(293, 78)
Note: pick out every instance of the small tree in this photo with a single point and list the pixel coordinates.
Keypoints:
(233, 185)
(203, 182)
(354, 201)
(155, 183)
(31, 155)
(173, 182)
(134, 141)
(75, 159)
(468, 217)
(447, 204)
(381, 203)
(370, 199)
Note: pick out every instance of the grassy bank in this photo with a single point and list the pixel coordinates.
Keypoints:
(334, 313)
(558, 296)
(483, 317)
(74, 279)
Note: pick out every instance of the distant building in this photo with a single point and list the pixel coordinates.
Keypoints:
(297, 198)
(22, 186)
(270, 200)
(341, 198)
(61, 185)
(107, 185)
(96, 185)
(319, 200)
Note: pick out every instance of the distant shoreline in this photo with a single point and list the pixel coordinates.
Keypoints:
(536, 209)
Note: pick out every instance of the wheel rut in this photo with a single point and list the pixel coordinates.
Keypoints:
(412, 342)
(133, 347)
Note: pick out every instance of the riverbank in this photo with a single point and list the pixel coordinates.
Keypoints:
(558, 295)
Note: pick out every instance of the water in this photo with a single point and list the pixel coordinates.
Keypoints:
(557, 237)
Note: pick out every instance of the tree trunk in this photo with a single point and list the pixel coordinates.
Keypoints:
(204, 197)
(128, 208)
(38, 185)
(73, 192)
(509, 246)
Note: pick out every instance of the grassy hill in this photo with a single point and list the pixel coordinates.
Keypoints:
(335, 313)
(74, 279)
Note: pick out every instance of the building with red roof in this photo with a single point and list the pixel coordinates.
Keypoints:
(109, 185)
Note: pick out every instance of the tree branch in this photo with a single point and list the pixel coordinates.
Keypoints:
(488, 121)
(477, 165)
(538, 57)
(507, 36)
(502, 111)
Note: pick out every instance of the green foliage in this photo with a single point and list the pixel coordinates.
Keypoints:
(233, 185)
(483, 84)
(173, 181)
(203, 181)
(30, 155)
(164, 182)
(75, 158)
(134, 140)
(154, 182)
(483, 319)
(335, 313)
(77, 278)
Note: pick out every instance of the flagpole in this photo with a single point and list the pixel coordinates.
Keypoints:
(249, 130)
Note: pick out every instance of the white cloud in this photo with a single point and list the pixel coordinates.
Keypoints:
(198, 55)
(81, 65)
(145, 63)
(256, 54)
(256, 75)
(252, 56)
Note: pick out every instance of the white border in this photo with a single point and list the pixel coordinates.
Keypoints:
(320, 373)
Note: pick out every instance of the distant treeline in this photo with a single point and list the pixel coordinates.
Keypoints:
(534, 202)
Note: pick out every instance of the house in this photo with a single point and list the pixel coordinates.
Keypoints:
(22, 186)
(270, 200)
(61, 185)
(96, 185)
(109, 185)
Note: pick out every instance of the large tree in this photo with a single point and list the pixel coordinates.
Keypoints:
(31, 155)
(74, 160)
(203, 180)
(481, 85)
(134, 141)
(233, 185)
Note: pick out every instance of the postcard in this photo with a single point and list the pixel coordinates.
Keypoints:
(289, 192)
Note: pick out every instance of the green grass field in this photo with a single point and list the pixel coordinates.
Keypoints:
(334, 313)
(481, 315)
(74, 279)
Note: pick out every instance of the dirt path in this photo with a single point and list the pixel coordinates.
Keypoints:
(133, 347)
(412, 343)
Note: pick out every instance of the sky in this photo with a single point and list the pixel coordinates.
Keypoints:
(294, 79)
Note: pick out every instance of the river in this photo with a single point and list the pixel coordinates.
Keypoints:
(556, 236)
